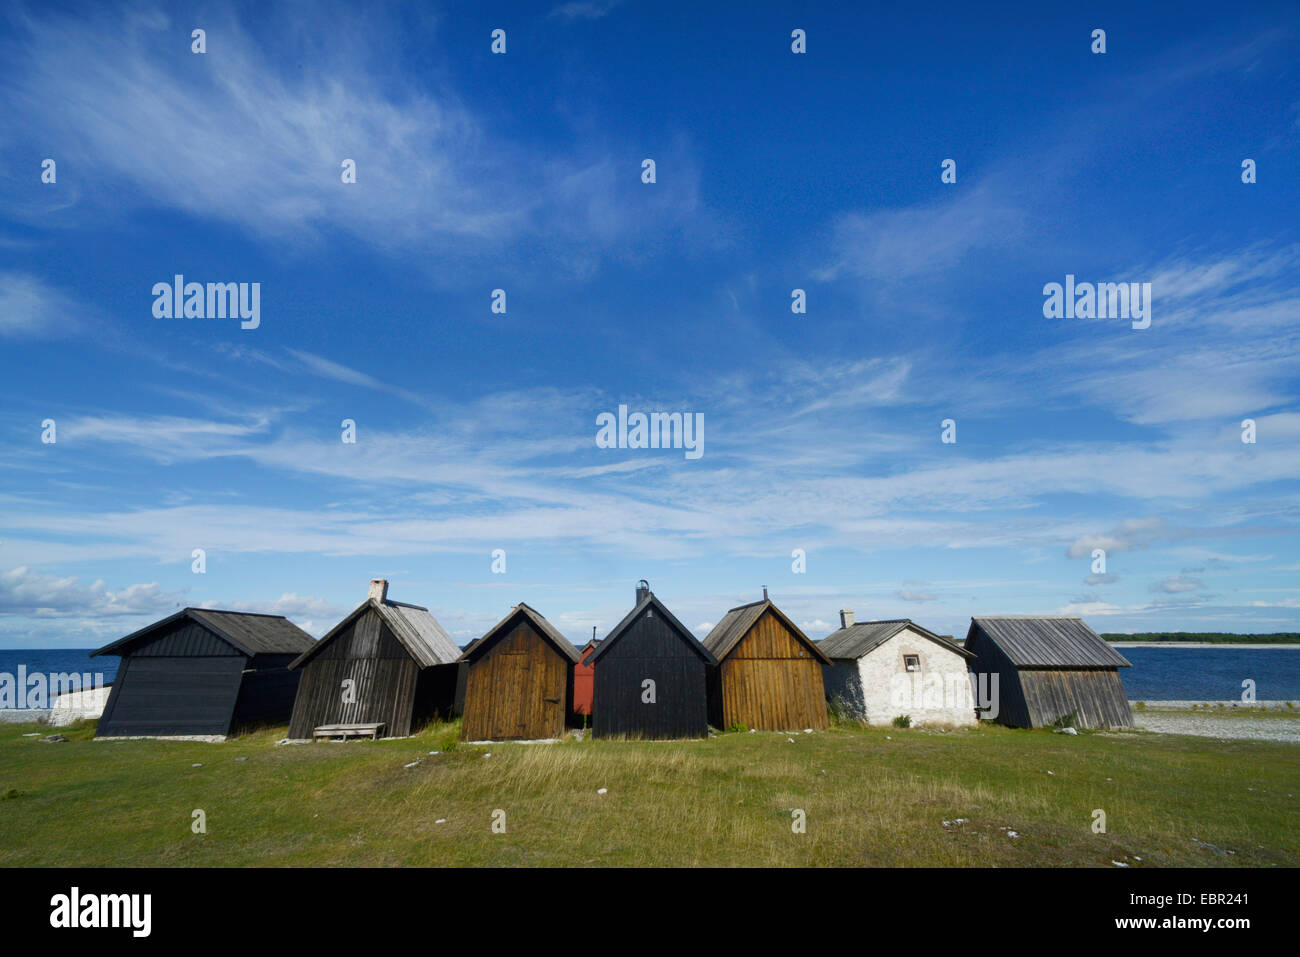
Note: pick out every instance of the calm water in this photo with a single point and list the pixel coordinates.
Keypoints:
(59, 661)
(1211, 674)
(1158, 674)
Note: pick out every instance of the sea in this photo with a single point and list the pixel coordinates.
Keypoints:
(1159, 673)
(1171, 673)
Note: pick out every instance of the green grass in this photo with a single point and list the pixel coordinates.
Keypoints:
(872, 796)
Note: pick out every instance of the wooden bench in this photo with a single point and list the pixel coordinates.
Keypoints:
(344, 732)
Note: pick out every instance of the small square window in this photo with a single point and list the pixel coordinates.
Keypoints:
(912, 662)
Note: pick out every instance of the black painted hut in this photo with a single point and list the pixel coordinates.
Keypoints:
(1048, 670)
(650, 676)
(202, 672)
(386, 663)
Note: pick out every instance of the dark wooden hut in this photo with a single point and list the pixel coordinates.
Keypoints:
(650, 645)
(769, 674)
(386, 663)
(202, 672)
(518, 680)
(1048, 670)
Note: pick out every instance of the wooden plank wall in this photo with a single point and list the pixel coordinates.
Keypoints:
(267, 693)
(158, 695)
(517, 688)
(1095, 697)
(991, 660)
(772, 682)
(650, 649)
(384, 682)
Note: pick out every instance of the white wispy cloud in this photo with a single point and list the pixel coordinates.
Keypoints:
(583, 9)
(31, 308)
(234, 136)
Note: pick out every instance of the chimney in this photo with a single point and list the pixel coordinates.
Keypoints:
(642, 590)
(379, 589)
(764, 593)
(846, 617)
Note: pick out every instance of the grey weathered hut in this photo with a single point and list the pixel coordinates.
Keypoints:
(1049, 670)
(650, 645)
(202, 672)
(386, 663)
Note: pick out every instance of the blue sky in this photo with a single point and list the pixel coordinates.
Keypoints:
(774, 171)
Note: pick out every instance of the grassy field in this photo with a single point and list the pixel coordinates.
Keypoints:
(875, 797)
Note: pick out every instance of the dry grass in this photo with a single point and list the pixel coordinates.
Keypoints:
(871, 796)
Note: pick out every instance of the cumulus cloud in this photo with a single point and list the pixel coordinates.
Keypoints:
(24, 592)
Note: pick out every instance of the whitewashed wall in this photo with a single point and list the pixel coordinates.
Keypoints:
(938, 694)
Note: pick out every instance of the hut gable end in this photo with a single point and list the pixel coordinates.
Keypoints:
(650, 630)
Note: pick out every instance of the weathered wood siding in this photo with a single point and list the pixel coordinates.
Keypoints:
(384, 681)
(1036, 698)
(1008, 704)
(1095, 697)
(650, 649)
(185, 680)
(516, 688)
(771, 682)
(267, 692)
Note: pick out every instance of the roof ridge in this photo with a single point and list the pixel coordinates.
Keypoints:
(405, 604)
(226, 611)
(1037, 617)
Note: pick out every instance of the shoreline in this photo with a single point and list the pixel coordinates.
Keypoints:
(1200, 644)
(1283, 705)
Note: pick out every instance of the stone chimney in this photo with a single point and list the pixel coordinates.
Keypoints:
(642, 590)
(379, 589)
(846, 617)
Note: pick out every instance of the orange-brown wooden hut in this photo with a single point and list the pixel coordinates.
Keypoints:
(769, 674)
(518, 680)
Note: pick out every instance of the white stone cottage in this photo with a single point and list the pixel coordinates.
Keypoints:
(883, 669)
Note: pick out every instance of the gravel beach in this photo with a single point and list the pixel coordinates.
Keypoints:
(1272, 721)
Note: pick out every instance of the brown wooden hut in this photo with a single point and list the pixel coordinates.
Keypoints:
(386, 663)
(769, 674)
(1049, 670)
(518, 680)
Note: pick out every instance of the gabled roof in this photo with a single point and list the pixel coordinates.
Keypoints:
(544, 628)
(247, 632)
(412, 625)
(865, 636)
(651, 601)
(736, 623)
(1048, 642)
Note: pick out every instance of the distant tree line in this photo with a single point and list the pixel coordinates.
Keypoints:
(1210, 637)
